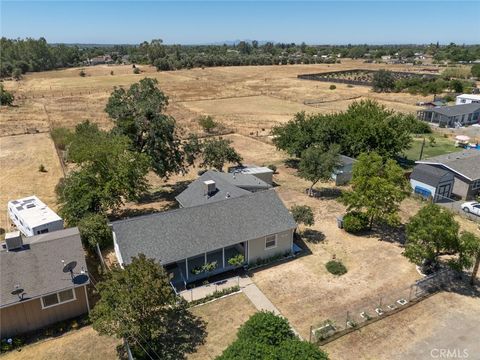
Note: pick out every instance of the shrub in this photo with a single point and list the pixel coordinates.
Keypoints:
(295, 349)
(247, 350)
(266, 328)
(303, 214)
(94, 230)
(207, 123)
(82, 73)
(332, 87)
(272, 167)
(215, 295)
(6, 97)
(355, 222)
(111, 72)
(42, 169)
(62, 137)
(236, 260)
(335, 267)
(136, 70)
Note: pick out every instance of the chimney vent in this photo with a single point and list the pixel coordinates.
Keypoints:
(13, 240)
(209, 187)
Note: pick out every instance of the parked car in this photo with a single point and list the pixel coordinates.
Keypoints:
(471, 207)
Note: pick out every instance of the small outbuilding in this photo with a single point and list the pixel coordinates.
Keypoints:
(343, 174)
(432, 182)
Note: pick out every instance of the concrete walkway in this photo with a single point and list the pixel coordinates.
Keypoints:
(258, 298)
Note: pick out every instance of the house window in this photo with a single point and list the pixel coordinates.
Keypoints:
(58, 298)
(476, 184)
(270, 241)
(42, 231)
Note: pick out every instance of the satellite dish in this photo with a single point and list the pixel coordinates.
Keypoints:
(18, 291)
(69, 267)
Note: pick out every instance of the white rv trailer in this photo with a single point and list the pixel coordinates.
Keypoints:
(32, 217)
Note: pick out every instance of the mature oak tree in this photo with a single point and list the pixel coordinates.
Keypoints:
(378, 187)
(139, 114)
(469, 253)
(107, 173)
(137, 303)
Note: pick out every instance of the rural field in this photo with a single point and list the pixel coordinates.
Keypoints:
(248, 101)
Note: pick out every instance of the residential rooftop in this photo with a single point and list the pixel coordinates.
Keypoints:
(428, 174)
(227, 186)
(178, 234)
(465, 163)
(37, 266)
(455, 110)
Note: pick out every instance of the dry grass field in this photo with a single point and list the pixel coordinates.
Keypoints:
(20, 158)
(84, 344)
(223, 318)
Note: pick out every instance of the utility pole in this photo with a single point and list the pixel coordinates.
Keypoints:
(421, 150)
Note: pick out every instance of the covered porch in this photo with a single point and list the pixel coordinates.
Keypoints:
(207, 264)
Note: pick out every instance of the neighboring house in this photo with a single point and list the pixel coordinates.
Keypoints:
(464, 166)
(35, 291)
(255, 225)
(452, 116)
(343, 174)
(432, 182)
(32, 217)
(214, 186)
(467, 99)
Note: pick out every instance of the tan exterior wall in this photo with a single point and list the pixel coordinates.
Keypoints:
(256, 247)
(29, 315)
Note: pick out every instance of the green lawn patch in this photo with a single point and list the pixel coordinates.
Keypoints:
(440, 146)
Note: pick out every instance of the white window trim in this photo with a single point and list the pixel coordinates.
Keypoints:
(270, 247)
(58, 298)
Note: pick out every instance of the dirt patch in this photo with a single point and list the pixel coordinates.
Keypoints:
(223, 318)
(20, 158)
(82, 344)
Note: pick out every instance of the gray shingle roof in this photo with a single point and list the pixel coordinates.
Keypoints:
(174, 235)
(428, 174)
(465, 162)
(38, 268)
(457, 109)
(226, 183)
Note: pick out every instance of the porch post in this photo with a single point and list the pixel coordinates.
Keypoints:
(186, 267)
(223, 257)
(205, 259)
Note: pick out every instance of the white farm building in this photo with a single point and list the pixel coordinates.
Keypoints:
(32, 217)
(467, 99)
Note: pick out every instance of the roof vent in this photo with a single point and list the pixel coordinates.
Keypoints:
(13, 240)
(227, 195)
(209, 187)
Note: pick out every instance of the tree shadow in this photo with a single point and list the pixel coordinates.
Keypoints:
(312, 236)
(167, 192)
(128, 213)
(292, 163)
(392, 234)
(326, 193)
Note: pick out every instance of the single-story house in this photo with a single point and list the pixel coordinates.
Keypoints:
(189, 240)
(464, 166)
(37, 288)
(451, 116)
(432, 182)
(214, 186)
(343, 174)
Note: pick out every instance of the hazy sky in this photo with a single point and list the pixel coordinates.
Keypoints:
(315, 22)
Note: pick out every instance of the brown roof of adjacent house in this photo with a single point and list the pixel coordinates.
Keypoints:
(37, 266)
